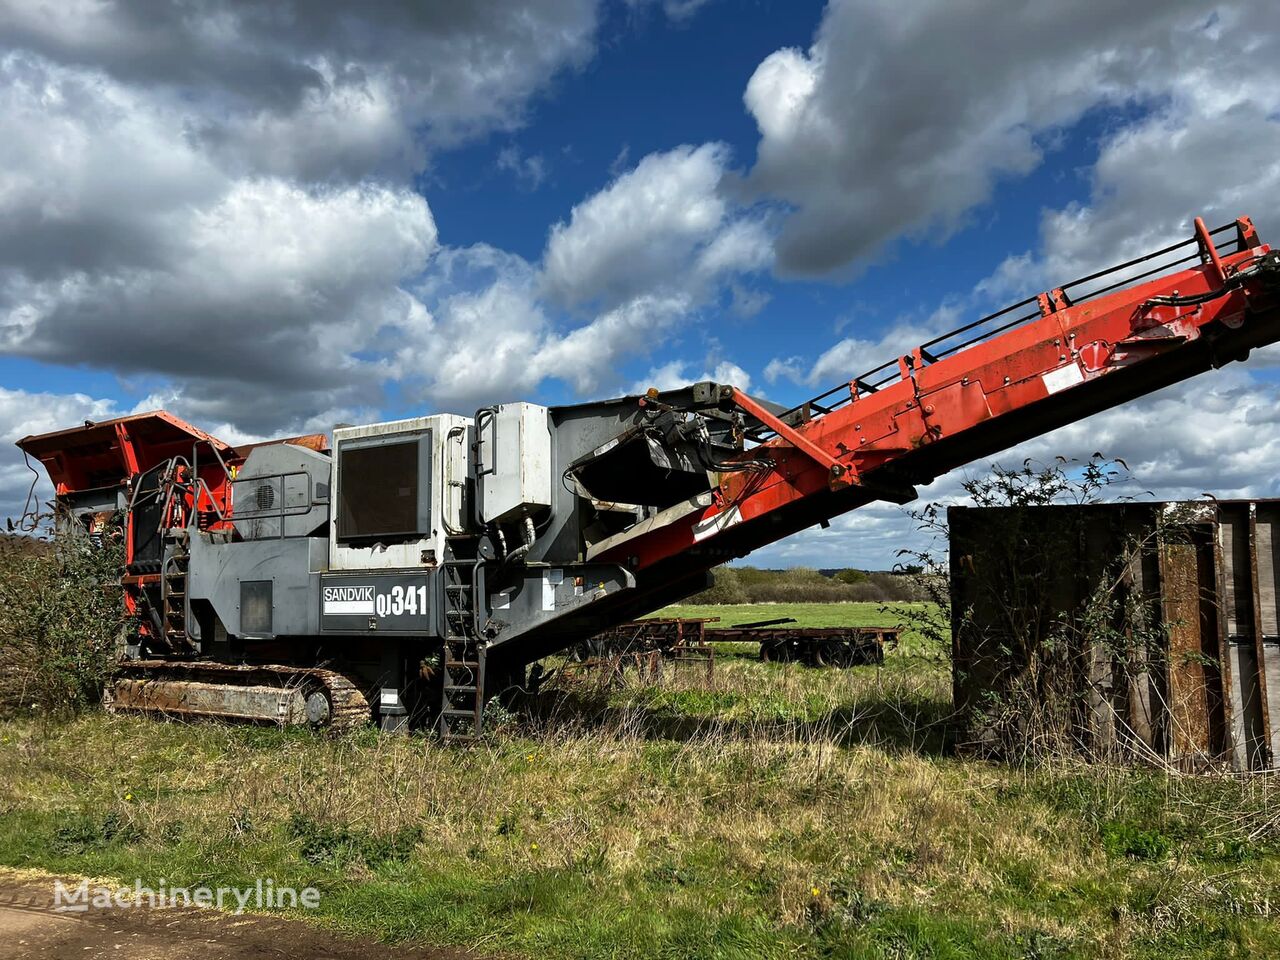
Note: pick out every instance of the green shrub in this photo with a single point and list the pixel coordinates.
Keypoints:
(1134, 843)
(340, 845)
(63, 622)
(725, 588)
(805, 585)
(850, 576)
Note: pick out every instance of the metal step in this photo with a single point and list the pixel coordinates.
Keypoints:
(462, 713)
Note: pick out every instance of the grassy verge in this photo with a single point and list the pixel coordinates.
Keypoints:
(780, 811)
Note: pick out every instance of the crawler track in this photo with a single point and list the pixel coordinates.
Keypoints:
(268, 693)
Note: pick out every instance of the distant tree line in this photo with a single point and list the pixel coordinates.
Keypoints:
(806, 585)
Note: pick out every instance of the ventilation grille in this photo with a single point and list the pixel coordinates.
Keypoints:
(266, 497)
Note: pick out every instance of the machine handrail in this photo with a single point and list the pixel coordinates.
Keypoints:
(888, 372)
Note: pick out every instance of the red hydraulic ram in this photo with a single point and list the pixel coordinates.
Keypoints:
(942, 406)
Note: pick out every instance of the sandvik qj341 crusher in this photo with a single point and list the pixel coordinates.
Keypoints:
(410, 571)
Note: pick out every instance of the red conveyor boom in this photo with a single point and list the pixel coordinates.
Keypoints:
(940, 407)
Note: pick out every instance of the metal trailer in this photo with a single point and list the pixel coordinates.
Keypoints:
(1167, 613)
(646, 645)
(780, 642)
(664, 635)
(412, 570)
(814, 646)
(817, 646)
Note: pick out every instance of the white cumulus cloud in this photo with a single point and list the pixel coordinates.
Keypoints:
(642, 233)
(900, 119)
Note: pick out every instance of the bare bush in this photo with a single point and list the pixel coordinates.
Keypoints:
(1025, 701)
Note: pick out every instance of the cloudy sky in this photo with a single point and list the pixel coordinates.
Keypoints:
(271, 216)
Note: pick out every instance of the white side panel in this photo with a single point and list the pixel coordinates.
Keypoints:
(448, 478)
(515, 468)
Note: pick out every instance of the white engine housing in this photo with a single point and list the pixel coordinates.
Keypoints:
(397, 491)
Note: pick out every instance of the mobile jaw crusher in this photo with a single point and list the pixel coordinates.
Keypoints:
(410, 571)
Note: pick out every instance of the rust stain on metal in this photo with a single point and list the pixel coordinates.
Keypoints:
(262, 693)
(193, 698)
(1188, 702)
(312, 441)
(1260, 650)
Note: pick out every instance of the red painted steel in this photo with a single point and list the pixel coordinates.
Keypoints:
(110, 452)
(837, 473)
(115, 453)
(1064, 354)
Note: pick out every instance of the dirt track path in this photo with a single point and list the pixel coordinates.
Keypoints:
(30, 930)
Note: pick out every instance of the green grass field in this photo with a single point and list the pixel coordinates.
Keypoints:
(778, 811)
